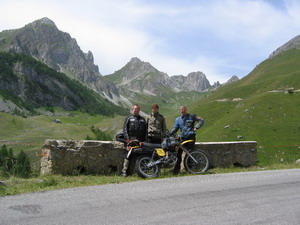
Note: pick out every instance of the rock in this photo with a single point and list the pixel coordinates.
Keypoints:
(298, 161)
(234, 78)
(239, 137)
(57, 121)
(195, 81)
(2, 183)
(293, 43)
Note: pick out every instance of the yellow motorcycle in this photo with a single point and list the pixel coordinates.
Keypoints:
(151, 157)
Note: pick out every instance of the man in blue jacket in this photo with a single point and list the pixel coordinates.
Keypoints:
(186, 124)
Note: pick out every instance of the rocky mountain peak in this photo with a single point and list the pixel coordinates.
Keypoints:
(293, 43)
(136, 69)
(196, 75)
(195, 81)
(232, 79)
(143, 67)
(42, 40)
(42, 21)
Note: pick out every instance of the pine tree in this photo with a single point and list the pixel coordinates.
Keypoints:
(22, 168)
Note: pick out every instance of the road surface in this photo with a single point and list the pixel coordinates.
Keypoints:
(264, 197)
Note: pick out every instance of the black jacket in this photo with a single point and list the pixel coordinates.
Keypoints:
(135, 127)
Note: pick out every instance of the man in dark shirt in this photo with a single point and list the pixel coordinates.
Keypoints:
(135, 128)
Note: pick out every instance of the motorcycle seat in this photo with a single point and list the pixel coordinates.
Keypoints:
(151, 145)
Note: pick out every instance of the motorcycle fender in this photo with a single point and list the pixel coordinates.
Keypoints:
(160, 152)
(187, 141)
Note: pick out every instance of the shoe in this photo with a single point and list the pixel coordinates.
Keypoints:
(123, 174)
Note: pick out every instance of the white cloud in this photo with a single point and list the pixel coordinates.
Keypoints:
(221, 38)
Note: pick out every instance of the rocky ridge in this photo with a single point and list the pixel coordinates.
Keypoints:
(141, 77)
(45, 42)
(293, 43)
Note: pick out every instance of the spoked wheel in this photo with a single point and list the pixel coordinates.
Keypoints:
(197, 162)
(144, 168)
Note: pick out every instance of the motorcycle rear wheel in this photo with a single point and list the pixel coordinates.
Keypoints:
(202, 164)
(142, 168)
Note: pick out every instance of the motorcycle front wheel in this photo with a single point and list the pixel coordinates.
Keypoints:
(143, 168)
(197, 162)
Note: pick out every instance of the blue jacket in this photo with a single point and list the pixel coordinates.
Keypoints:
(186, 125)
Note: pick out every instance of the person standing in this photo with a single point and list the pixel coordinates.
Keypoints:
(156, 126)
(186, 124)
(135, 128)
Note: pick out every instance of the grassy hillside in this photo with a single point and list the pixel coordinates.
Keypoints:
(29, 134)
(35, 85)
(264, 107)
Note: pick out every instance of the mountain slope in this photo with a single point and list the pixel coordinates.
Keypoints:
(263, 106)
(31, 84)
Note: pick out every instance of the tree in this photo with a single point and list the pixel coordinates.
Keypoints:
(22, 167)
(7, 161)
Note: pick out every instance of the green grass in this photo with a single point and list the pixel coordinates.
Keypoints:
(15, 186)
(270, 118)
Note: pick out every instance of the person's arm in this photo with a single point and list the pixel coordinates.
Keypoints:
(176, 127)
(125, 129)
(200, 121)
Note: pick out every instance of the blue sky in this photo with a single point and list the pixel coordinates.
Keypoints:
(220, 38)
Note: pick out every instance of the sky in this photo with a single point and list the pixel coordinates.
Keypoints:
(220, 38)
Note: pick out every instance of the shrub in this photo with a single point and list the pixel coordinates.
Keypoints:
(11, 166)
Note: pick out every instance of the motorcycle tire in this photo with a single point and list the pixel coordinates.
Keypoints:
(143, 170)
(202, 164)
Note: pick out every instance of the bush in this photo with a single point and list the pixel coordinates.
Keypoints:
(22, 166)
(11, 166)
(99, 135)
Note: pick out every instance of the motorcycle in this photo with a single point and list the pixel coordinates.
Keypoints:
(152, 157)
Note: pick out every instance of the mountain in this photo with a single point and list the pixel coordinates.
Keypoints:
(140, 82)
(263, 106)
(143, 77)
(136, 82)
(42, 40)
(27, 84)
(292, 44)
(234, 78)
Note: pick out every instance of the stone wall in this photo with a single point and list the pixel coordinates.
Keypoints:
(103, 157)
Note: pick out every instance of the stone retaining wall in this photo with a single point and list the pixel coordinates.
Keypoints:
(103, 157)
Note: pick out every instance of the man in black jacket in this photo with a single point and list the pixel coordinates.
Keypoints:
(135, 128)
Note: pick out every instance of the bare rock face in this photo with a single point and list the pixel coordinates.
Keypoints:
(141, 77)
(195, 81)
(293, 43)
(234, 78)
(44, 41)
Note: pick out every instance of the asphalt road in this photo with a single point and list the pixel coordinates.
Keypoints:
(265, 197)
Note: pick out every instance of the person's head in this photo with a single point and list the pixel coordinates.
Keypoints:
(135, 109)
(155, 108)
(183, 109)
